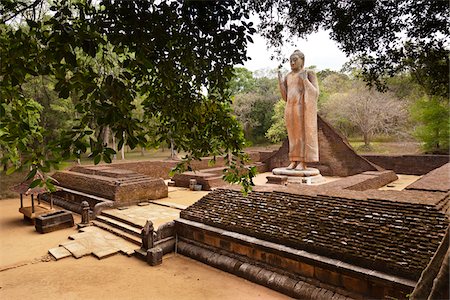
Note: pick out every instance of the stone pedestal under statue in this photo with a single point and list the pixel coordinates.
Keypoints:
(306, 176)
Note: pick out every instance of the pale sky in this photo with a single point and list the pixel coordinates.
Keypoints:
(318, 48)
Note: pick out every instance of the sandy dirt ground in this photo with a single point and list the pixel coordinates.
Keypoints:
(27, 271)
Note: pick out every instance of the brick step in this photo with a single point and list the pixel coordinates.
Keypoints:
(133, 180)
(119, 225)
(122, 219)
(120, 233)
(443, 205)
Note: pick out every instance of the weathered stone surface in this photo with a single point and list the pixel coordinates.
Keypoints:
(100, 243)
(121, 186)
(364, 181)
(154, 256)
(392, 237)
(282, 283)
(275, 179)
(436, 180)
(162, 168)
(78, 250)
(53, 221)
(409, 164)
(59, 252)
(208, 178)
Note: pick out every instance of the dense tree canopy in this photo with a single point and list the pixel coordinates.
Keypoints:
(253, 101)
(168, 52)
(177, 57)
(384, 37)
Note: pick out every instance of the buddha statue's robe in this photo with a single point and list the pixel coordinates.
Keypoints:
(301, 115)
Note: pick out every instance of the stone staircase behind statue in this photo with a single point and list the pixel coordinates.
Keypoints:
(209, 178)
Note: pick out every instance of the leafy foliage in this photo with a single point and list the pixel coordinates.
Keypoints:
(434, 126)
(242, 81)
(253, 105)
(384, 37)
(277, 131)
(104, 56)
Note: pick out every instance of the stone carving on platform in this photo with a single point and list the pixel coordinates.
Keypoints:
(300, 89)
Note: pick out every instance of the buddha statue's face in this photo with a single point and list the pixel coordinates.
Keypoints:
(296, 62)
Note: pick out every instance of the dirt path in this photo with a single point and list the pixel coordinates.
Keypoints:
(26, 271)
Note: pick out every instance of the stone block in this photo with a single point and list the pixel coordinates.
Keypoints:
(356, 285)
(59, 252)
(154, 256)
(77, 249)
(327, 276)
(276, 179)
(305, 270)
(54, 221)
(123, 187)
(104, 253)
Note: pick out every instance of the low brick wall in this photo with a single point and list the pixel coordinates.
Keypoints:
(409, 164)
(162, 168)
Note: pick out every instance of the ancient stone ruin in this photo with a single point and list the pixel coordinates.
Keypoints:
(107, 186)
(341, 239)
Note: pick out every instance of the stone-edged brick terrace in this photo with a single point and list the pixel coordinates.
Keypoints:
(394, 237)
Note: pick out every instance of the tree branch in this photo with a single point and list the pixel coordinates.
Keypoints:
(14, 14)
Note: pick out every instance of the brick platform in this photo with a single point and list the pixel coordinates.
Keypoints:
(393, 237)
(124, 187)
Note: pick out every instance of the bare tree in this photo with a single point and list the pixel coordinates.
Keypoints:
(369, 111)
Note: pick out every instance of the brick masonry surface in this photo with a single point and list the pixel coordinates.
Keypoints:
(336, 156)
(393, 237)
(437, 180)
(409, 164)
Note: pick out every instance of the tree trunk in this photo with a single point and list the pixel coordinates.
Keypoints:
(366, 139)
(122, 151)
(114, 147)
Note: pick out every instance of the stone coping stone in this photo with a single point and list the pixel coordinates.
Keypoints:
(394, 237)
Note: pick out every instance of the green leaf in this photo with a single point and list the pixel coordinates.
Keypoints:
(64, 93)
(31, 174)
(107, 158)
(32, 23)
(10, 170)
(50, 186)
(35, 183)
(97, 159)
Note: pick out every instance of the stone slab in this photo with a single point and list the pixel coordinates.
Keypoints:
(276, 179)
(306, 180)
(104, 253)
(296, 173)
(59, 252)
(76, 249)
